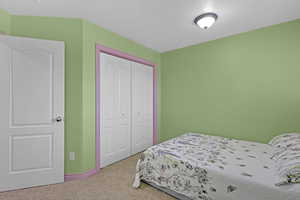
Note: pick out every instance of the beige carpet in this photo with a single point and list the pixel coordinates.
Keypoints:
(111, 183)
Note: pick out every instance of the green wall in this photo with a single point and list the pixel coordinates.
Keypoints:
(5, 18)
(244, 86)
(92, 35)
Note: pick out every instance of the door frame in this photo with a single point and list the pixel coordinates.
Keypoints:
(103, 49)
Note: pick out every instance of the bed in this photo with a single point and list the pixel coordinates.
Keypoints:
(202, 167)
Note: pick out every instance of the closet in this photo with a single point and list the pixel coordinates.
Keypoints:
(126, 108)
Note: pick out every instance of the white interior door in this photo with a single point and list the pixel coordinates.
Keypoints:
(142, 107)
(115, 108)
(32, 110)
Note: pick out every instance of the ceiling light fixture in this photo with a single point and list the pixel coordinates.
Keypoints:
(206, 20)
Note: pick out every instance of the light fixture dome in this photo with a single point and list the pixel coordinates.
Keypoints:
(206, 20)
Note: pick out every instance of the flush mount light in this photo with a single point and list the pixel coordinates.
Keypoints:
(206, 20)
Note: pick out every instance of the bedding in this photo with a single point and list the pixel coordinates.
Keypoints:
(288, 162)
(206, 167)
(287, 140)
(287, 157)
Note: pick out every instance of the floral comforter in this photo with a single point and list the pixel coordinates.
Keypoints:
(206, 167)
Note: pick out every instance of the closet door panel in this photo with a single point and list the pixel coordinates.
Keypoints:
(125, 93)
(115, 108)
(142, 107)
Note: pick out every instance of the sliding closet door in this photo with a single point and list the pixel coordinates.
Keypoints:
(115, 108)
(142, 107)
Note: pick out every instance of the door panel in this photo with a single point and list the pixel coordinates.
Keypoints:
(32, 96)
(115, 108)
(142, 107)
(26, 152)
(31, 70)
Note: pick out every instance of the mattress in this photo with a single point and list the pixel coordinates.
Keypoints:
(206, 167)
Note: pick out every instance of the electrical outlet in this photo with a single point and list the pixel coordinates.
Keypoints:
(72, 156)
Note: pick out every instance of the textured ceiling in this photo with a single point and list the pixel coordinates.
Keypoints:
(164, 25)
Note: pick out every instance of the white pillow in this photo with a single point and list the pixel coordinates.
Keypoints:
(288, 164)
(286, 140)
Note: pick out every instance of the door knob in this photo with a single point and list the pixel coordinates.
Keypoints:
(58, 119)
